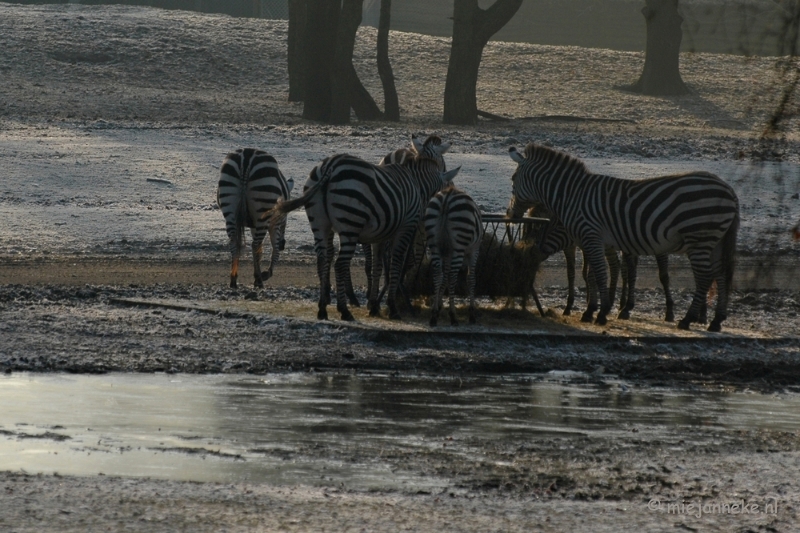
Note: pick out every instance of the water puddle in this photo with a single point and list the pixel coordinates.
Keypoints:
(296, 428)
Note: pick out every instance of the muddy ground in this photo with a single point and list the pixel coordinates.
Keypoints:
(95, 99)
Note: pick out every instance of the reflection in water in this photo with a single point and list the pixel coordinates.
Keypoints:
(295, 428)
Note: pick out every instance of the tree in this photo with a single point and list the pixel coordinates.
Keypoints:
(322, 21)
(322, 76)
(472, 29)
(346, 89)
(391, 106)
(661, 74)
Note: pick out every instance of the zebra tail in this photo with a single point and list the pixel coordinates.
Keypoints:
(283, 207)
(442, 231)
(240, 221)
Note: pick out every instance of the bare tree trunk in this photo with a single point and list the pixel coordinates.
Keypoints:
(321, 30)
(391, 105)
(296, 49)
(472, 29)
(661, 74)
(347, 89)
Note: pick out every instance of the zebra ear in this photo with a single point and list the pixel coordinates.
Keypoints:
(416, 143)
(444, 147)
(515, 155)
(448, 176)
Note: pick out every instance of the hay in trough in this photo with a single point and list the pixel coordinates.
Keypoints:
(505, 269)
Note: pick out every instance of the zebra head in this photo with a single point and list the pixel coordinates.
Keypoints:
(522, 197)
(432, 148)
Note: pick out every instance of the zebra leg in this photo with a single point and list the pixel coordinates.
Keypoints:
(591, 292)
(234, 269)
(569, 256)
(403, 240)
(703, 318)
(624, 290)
(614, 269)
(347, 247)
(663, 276)
(471, 279)
(597, 264)
(257, 246)
(373, 299)
(275, 240)
(453, 268)
(322, 246)
(703, 277)
(438, 285)
(631, 263)
(367, 249)
(234, 246)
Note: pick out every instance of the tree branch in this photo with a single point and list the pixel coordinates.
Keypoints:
(496, 16)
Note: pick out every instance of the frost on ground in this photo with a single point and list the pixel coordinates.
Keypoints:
(113, 123)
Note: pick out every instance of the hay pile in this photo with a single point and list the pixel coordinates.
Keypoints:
(504, 269)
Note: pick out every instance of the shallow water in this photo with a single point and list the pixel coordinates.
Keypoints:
(303, 428)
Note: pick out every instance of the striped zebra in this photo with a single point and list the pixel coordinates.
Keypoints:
(250, 184)
(366, 203)
(555, 238)
(695, 213)
(397, 157)
(453, 229)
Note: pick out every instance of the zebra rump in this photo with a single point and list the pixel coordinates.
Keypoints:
(696, 213)
(251, 184)
(454, 230)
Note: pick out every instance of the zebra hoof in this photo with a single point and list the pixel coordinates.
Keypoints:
(233, 282)
(587, 317)
(347, 316)
(566, 312)
(715, 327)
(453, 320)
(473, 319)
(352, 300)
(670, 317)
(322, 314)
(258, 284)
(395, 316)
(624, 315)
(684, 324)
(601, 320)
(374, 310)
(434, 321)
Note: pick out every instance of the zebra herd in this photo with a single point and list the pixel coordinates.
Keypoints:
(381, 206)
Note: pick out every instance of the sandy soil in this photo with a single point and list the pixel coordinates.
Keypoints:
(96, 100)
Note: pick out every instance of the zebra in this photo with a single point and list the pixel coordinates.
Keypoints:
(398, 157)
(362, 202)
(250, 184)
(555, 238)
(694, 213)
(453, 229)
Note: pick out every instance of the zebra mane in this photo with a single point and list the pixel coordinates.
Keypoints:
(539, 152)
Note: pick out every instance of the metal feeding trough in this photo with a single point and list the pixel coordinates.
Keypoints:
(507, 261)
